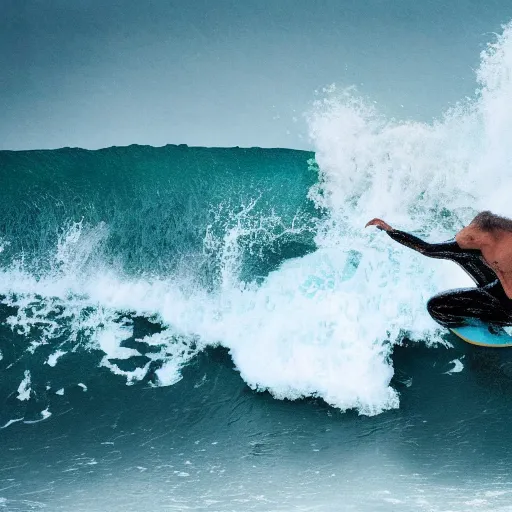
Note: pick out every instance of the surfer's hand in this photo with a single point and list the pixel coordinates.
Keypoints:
(380, 224)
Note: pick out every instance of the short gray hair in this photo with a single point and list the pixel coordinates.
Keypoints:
(488, 221)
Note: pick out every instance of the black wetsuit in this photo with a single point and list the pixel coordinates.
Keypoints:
(487, 302)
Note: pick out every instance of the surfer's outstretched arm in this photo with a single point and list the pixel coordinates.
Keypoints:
(444, 250)
(469, 259)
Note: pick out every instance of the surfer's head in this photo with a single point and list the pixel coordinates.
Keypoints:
(490, 223)
(484, 230)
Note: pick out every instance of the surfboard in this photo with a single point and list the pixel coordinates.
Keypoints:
(482, 336)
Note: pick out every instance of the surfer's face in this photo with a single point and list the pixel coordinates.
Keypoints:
(473, 237)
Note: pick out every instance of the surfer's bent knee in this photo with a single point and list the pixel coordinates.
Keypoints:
(436, 307)
(433, 306)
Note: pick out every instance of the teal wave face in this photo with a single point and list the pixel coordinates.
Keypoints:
(154, 206)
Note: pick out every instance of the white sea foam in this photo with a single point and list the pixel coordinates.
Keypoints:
(10, 422)
(52, 360)
(24, 387)
(45, 414)
(324, 324)
(457, 367)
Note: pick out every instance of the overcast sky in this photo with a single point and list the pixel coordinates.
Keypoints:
(96, 73)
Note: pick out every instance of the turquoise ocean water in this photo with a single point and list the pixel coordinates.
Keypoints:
(213, 329)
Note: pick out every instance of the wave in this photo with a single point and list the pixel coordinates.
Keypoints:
(260, 251)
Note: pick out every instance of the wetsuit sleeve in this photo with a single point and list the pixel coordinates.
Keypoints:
(444, 250)
(470, 260)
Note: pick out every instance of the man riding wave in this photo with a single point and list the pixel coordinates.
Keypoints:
(484, 250)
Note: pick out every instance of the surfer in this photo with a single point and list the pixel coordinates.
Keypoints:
(484, 250)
